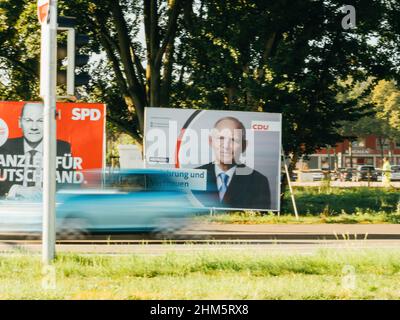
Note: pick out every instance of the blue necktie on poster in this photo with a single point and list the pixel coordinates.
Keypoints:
(224, 185)
(32, 154)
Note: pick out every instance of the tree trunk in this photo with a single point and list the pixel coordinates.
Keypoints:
(134, 88)
(380, 140)
(351, 154)
(167, 76)
(155, 87)
(157, 48)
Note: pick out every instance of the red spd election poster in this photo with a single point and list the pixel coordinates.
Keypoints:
(80, 145)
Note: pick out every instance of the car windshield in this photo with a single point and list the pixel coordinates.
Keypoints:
(126, 182)
(134, 181)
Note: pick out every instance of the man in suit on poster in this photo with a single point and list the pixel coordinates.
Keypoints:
(24, 180)
(231, 184)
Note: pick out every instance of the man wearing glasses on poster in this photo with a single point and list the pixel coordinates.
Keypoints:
(231, 184)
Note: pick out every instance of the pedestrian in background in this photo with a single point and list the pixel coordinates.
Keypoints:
(386, 172)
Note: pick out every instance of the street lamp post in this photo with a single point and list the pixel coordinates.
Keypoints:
(48, 83)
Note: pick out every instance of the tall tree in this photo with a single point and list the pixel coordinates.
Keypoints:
(284, 56)
(386, 96)
(272, 56)
(136, 70)
(19, 47)
(383, 119)
(129, 79)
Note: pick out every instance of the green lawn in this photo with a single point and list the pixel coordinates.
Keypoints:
(326, 205)
(273, 218)
(333, 201)
(327, 274)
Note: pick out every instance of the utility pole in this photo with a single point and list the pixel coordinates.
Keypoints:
(47, 13)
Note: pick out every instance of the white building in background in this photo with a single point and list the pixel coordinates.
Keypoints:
(130, 156)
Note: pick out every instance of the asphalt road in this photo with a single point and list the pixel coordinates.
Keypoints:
(223, 237)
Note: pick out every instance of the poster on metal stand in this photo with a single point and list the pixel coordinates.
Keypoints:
(80, 146)
(290, 185)
(239, 151)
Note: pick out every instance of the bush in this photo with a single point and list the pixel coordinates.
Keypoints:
(337, 200)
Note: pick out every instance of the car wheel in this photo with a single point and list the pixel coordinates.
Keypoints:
(32, 236)
(170, 228)
(72, 229)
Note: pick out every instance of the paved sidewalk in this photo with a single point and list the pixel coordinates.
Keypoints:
(256, 232)
(298, 231)
(224, 237)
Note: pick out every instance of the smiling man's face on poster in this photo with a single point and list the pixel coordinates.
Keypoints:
(31, 123)
(228, 141)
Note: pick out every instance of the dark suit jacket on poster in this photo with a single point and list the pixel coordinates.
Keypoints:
(244, 191)
(16, 147)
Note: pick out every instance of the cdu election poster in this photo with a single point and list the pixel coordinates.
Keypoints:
(240, 152)
(80, 145)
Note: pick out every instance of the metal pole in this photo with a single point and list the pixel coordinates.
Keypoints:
(290, 185)
(48, 79)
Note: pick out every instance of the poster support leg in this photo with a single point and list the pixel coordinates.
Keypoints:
(290, 185)
(212, 212)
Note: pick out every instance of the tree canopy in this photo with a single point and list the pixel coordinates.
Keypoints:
(268, 56)
(383, 119)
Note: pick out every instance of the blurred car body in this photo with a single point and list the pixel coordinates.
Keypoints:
(335, 175)
(109, 202)
(20, 216)
(345, 174)
(394, 175)
(317, 175)
(366, 173)
(308, 175)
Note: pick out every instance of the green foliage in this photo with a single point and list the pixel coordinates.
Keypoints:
(386, 96)
(236, 274)
(348, 200)
(367, 217)
(325, 205)
(115, 138)
(19, 50)
(284, 56)
(383, 121)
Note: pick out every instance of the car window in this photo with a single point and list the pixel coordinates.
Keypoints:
(126, 182)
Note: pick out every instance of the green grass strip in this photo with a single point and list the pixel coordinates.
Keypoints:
(325, 274)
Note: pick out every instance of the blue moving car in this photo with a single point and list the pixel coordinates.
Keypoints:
(140, 200)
